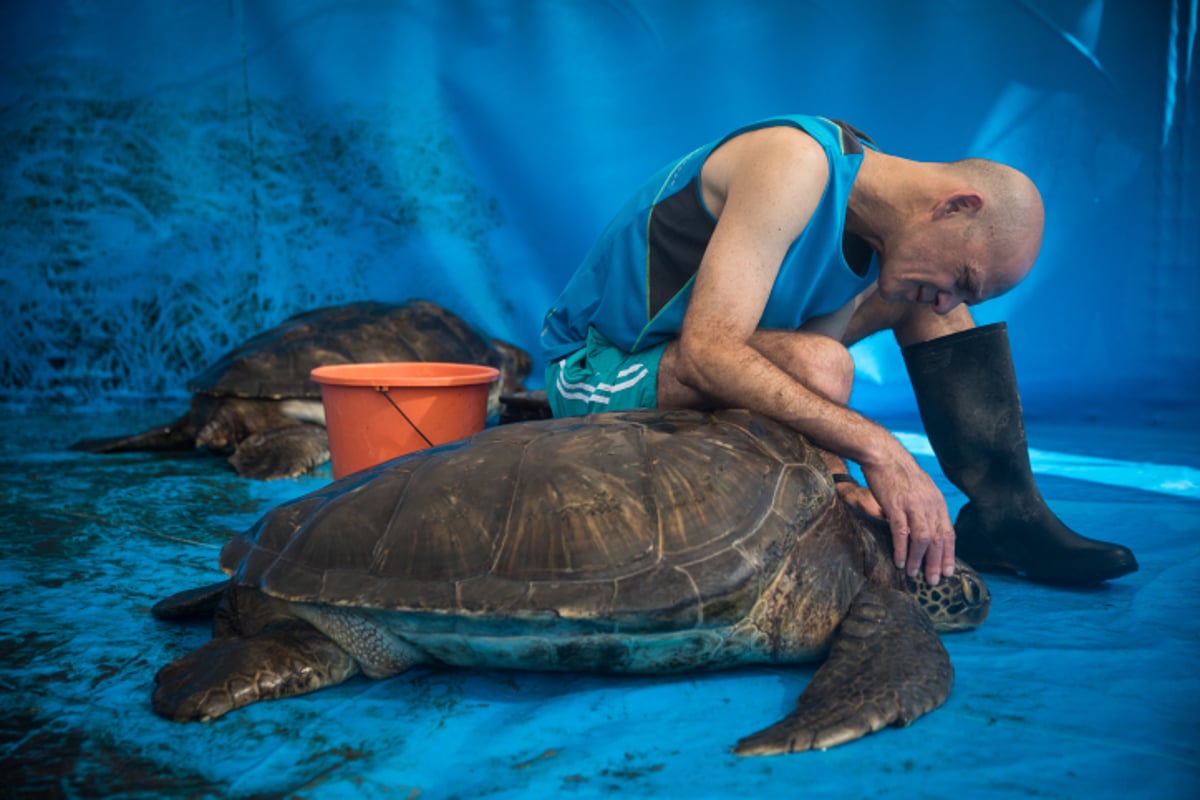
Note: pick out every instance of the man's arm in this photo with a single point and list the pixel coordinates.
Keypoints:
(764, 187)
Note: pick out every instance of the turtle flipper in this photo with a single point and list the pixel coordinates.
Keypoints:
(190, 603)
(281, 452)
(179, 435)
(287, 658)
(886, 667)
(524, 405)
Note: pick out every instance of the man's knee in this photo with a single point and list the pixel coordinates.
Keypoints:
(832, 370)
(820, 363)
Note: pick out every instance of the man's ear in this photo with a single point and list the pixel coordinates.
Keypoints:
(959, 202)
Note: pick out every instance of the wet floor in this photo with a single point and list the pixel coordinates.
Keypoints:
(1060, 694)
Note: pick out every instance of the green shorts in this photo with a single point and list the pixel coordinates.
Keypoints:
(601, 377)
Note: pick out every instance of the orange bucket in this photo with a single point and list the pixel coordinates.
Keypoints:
(376, 412)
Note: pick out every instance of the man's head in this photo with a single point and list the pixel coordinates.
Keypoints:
(975, 235)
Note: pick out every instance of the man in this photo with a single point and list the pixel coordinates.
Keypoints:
(739, 275)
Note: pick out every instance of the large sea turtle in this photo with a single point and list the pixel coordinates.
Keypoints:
(258, 404)
(639, 542)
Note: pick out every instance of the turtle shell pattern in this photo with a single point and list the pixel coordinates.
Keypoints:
(626, 523)
(276, 363)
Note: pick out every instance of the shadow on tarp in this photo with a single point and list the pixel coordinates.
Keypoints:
(1061, 694)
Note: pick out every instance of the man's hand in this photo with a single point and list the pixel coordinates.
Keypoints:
(915, 511)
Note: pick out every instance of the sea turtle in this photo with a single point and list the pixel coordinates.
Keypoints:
(258, 404)
(638, 542)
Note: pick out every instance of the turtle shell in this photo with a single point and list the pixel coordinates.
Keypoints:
(637, 521)
(276, 363)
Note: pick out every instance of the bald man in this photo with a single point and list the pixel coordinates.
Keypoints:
(739, 275)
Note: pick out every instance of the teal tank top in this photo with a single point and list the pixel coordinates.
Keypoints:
(633, 286)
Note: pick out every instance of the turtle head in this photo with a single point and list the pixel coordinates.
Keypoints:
(515, 366)
(959, 602)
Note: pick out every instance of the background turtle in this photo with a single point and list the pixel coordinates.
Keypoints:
(258, 404)
(641, 542)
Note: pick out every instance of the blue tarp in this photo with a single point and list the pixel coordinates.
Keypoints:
(176, 176)
(179, 175)
(1061, 693)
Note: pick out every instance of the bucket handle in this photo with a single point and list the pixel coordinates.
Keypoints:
(384, 391)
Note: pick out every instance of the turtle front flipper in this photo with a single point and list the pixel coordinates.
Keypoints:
(282, 452)
(287, 658)
(886, 667)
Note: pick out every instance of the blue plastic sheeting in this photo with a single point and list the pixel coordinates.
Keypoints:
(1061, 693)
(176, 176)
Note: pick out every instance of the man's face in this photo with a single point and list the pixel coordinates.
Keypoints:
(941, 267)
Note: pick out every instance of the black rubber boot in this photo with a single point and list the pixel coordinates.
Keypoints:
(966, 391)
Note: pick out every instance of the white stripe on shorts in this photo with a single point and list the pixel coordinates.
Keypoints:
(601, 392)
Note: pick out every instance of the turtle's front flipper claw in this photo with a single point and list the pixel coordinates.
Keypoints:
(813, 726)
(886, 667)
(282, 660)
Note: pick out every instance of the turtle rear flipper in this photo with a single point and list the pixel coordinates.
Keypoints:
(281, 452)
(522, 406)
(886, 667)
(179, 435)
(287, 658)
(190, 603)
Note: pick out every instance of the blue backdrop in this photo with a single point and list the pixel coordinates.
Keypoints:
(178, 175)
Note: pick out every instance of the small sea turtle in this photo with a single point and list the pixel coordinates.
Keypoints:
(258, 404)
(639, 542)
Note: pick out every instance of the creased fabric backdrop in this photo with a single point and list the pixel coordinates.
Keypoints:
(177, 175)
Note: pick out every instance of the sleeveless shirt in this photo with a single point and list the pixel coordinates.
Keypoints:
(633, 287)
